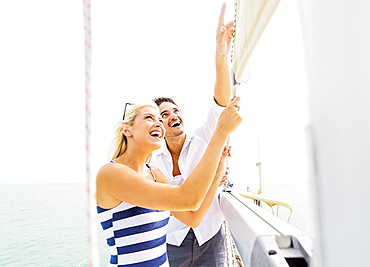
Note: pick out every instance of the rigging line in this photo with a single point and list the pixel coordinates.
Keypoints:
(86, 259)
(258, 164)
(263, 219)
(234, 88)
(257, 130)
(90, 185)
(233, 40)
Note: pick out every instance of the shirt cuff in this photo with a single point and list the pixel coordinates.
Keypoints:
(216, 107)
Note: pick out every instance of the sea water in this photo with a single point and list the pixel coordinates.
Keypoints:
(46, 224)
(43, 225)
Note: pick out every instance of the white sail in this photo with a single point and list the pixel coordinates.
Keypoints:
(251, 18)
(337, 40)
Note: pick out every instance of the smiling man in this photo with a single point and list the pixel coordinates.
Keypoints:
(177, 158)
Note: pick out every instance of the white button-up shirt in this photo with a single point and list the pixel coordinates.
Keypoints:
(190, 155)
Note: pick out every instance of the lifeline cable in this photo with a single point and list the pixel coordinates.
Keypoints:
(90, 185)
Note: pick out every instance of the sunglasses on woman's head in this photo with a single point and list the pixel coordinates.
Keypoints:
(124, 112)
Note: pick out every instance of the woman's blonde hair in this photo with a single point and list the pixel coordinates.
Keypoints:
(119, 143)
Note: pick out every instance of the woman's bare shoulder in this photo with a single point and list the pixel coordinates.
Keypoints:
(109, 169)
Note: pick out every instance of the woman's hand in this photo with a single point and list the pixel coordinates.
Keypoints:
(223, 169)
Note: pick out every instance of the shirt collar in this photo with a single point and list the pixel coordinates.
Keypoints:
(164, 150)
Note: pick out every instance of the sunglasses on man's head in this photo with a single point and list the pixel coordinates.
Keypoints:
(124, 112)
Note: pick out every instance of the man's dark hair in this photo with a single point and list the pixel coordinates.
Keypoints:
(160, 100)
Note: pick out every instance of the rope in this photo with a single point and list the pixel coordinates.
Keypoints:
(229, 255)
(229, 259)
(91, 210)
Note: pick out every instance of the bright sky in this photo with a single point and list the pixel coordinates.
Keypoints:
(141, 50)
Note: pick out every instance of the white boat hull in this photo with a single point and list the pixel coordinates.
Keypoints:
(261, 238)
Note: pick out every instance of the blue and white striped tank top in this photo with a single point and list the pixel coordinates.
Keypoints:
(136, 236)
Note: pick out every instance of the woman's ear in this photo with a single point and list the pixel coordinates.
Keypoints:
(126, 130)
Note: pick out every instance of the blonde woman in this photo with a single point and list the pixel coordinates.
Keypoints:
(134, 198)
